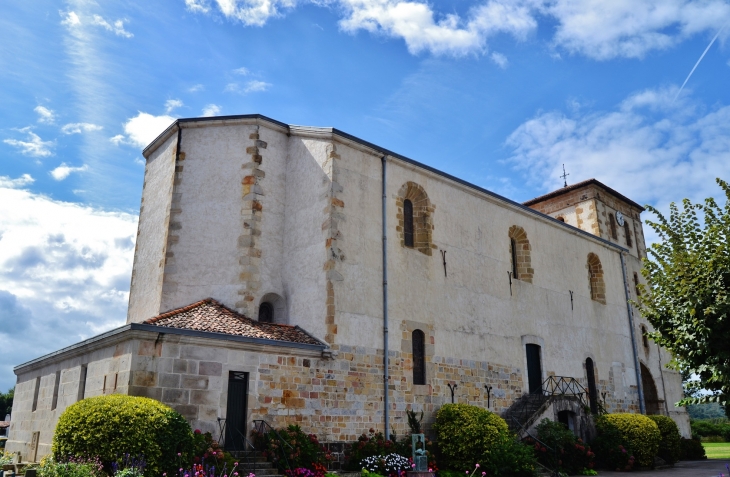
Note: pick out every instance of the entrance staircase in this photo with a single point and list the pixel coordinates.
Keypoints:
(253, 462)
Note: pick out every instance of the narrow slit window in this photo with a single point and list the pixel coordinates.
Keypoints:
(82, 383)
(56, 384)
(636, 285)
(628, 234)
(408, 223)
(513, 252)
(419, 357)
(644, 338)
(35, 393)
(612, 223)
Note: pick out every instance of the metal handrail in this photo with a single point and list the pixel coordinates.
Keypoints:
(564, 385)
(248, 448)
(556, 471)
(261, 427)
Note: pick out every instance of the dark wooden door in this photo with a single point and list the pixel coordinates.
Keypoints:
(236, 410)
(592, 391)
(534, 369)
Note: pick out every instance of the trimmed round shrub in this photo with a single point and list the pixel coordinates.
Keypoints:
(108, 427)
(639, 434)
(466, 434)
(669, 445)
(691, 449)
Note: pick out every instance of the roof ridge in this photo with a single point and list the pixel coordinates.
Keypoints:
(176, 311)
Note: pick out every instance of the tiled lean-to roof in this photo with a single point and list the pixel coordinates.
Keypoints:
(212, 316)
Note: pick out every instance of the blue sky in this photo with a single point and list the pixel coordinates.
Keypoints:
(500, 93)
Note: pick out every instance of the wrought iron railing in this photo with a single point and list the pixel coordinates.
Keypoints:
(234, 441)
(554, 472)
(565, 386)
(262, 428)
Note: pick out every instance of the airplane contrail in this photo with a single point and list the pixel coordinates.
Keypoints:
(698, 61)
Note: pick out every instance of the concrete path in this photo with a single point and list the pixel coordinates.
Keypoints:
(685, 468)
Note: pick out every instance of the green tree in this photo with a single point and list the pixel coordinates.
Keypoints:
(687, 301)
(6, 403)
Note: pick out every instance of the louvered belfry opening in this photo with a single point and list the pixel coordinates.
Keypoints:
(419, 357)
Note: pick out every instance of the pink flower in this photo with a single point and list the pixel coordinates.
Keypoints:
(413, 466)
(484, 473)
(477, 466)
(179, 454)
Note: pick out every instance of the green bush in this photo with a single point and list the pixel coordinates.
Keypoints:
(669, 445)
(111, 426)
(469, 435)
(711, 427)
(466, 434)
(49, 467)
(638, 433)
(570, 454)
(691, 449)
(298, 449)
(610, 451)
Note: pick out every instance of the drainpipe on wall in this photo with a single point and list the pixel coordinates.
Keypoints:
(179, 140)
(640, 387)
(386, 413)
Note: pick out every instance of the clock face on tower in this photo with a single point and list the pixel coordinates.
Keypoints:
(620, 218)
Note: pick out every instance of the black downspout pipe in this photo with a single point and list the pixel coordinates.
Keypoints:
(386, 378)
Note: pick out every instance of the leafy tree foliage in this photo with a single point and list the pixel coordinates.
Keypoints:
(689, 297)
(6, 403)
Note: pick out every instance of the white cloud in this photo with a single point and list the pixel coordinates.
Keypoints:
(171, 104)
(211, 110)
(34, 146)
(604, 29)
(70, 19)
(648, 148)
(8, 183)
(117, 27)
(118, 139)
(63, 171)
(599, 29)
(197, 6)
(144, 128)
(242, 71)
(78, 128)
(45, 115)
(256, 86)
(64, 273)
(499, 59)
(195, 88)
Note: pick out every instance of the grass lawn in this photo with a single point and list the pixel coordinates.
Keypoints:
(717, 450)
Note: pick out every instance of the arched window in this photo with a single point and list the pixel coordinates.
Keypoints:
(595, 278)
(560, 218)
(266, 312)
(415, 218)
(628, 233)
(636, 284)
(419, 357)
(520, 250)
(612, 223)
(592, 390)
(513, 252)
(408, 223)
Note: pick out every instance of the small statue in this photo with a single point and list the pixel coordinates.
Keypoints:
(420, 455)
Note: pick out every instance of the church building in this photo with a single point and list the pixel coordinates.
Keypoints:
(276, 265)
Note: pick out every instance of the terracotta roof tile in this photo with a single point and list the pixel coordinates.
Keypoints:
(572, 187)
(212, 316)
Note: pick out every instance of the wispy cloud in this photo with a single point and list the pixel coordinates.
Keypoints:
(256, 86)
(211, 110)
(70, 19)
(600, 29)
(499, 59)
(117, 26)
(118, 139)
(656, 151)
(63, 171)
(78, 128)
(45, 115)
(172, 104)
(8, 183)
(242, 71)
(195, 88)
(34, 146)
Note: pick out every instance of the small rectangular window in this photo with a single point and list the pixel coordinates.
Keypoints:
(82, 382)
(56, 384)
(513, 250)
(35, 393)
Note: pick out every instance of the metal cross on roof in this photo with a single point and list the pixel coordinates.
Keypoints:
(564, 176)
